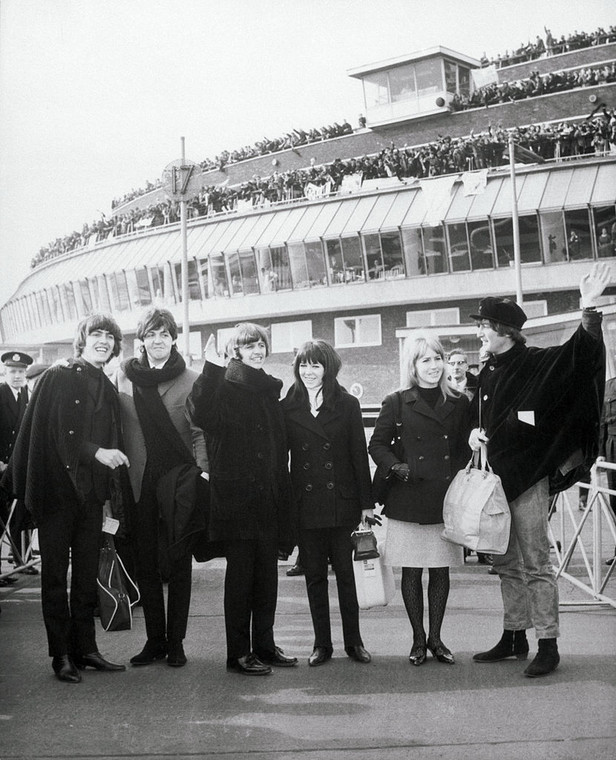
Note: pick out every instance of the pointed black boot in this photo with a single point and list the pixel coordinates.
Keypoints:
(511, 644)
(546, 659)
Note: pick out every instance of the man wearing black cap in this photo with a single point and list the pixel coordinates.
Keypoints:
(538, 411)
(67, 464)
(13, 400)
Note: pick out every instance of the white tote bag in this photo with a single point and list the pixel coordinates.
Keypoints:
(475, 510)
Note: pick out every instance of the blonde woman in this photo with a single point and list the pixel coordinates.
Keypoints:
(434, 441)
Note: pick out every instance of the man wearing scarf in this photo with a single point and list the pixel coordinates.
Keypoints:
(238, 407)
(66, 464)
(161, 444)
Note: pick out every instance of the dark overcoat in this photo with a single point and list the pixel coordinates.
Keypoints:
(330, 472)
(43, 468)
(9, 421)
(541, 409)
(239, 410)
(435, 444)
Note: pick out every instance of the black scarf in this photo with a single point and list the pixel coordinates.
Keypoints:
(254, 380)
(164, 445)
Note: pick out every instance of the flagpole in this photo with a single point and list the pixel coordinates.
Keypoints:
(517, 259)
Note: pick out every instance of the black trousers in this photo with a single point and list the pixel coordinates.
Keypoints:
(72, 531)
(317, 546)
(251, 590)
(149, 546)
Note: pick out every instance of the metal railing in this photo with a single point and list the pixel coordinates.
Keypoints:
(576, 531)
(21, 545)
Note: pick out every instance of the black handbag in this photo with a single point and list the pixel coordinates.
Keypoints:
(364, 543)
(381, 482)
(117, 593)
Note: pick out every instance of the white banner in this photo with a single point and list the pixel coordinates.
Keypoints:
(312, 191)
(351, 183)
(475, 182)
(437, 197)
(487, 75)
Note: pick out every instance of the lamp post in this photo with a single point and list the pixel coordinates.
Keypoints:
(180, 181)
(517, 259)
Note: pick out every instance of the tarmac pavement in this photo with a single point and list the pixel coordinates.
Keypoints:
(341, 710)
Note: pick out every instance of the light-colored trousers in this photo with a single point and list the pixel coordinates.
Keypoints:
(528, 585)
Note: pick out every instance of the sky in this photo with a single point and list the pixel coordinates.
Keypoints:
(95, 95)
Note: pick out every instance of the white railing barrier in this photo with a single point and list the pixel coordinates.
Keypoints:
(24, 554)
(568, 532)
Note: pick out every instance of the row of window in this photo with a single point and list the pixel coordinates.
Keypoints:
(545, 237)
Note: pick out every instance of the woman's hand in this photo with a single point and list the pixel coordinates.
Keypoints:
(400, 470)
(369, 518)
(211, 354)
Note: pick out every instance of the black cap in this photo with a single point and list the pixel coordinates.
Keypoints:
(16, 359)
(501, 310)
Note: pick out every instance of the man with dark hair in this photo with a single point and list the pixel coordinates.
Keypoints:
(168, 456)
(538, 411)
(65, 458)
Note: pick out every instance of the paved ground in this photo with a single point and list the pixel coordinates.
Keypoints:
(341, 710)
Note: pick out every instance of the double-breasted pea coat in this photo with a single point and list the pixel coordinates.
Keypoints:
(435, 444)
(330, 471)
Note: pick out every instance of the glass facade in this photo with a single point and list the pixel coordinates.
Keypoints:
(355, 256)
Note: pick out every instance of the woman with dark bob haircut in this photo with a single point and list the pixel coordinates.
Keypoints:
(330, 475)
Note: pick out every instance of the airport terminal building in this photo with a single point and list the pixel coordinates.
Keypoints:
(362, 265)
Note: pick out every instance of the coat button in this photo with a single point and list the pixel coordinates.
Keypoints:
(306, 465)
(259, 455)
(446, 456)
(309, 487)
(327, 446)
(445, 436)
(71, 432)
(328, 465)
(485, 397)
(305, 446)
(78, 369)
(68, 467)
(421, 458)
(330, 485)
(491, 368)
(77, 401)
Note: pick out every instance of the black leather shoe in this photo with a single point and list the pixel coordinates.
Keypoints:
(176, 657)
(152, 651)
(65, 669)
(441, 653)
(278, 659)
(418, 654)
(249, 665)
(358, 653)
(546, 659)
(319, 656)
(29, 570)
(8, 581)
(97, 661)
(296, 570)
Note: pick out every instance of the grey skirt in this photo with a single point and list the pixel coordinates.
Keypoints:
(413, 545)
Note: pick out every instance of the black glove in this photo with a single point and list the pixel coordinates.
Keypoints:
(400, 470)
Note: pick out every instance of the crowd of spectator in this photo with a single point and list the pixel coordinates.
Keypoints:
(535, 85)
(289, 141)
(549, 46)
(446, 155)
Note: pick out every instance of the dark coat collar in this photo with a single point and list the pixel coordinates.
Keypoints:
(442, 409)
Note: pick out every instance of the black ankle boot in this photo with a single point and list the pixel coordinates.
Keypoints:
(511, 644)
(546, 659)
